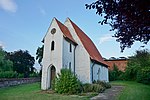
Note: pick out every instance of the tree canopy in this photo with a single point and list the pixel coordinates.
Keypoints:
(5, 64)
(138, 67)
(39, 54)
(130, 19)
(22, 61)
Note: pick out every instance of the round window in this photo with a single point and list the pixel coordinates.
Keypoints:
(53, 31)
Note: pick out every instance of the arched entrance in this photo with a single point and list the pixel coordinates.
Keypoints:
(53, 74)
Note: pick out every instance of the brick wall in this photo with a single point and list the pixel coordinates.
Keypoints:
(121, 64)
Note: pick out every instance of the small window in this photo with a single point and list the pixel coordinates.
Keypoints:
(52, 45)
(70, 66)
(53, 31)
(70, 47)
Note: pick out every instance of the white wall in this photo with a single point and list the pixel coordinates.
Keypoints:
(51, 57)
(102, 75)
(67, 55)
(82, 58)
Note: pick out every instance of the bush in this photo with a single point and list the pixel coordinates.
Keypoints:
(97, 86)
(115, 74)
(139, 67)
(8, 74)
(67, 82)
(34, 75)
(143, 75)
(93, 88)
(104, 84)
(20, 76)
(87, 87)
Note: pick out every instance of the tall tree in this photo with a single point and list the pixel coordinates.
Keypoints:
(22, 61)
(39, 54)
(5, 64)
(130, 19)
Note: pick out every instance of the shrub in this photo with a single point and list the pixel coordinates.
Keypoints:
(87, 87)
(139, 67)
(115, 74)
(103, 84)
(143, 75)
(8, 74)
(93, 88)
(34, 75)
(67, 82)
(97, 86)
(20, 76)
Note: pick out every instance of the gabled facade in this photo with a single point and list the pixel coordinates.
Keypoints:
(67, 46)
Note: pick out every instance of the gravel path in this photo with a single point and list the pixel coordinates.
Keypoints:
(109, 94)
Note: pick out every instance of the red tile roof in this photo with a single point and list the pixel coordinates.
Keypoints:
(65, 31)
(89, 45)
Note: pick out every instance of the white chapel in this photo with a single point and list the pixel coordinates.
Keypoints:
(67, 46)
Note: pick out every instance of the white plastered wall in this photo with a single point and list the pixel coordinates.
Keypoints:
(82, 58)
(51, 57)
(100, 72)
(67, 55)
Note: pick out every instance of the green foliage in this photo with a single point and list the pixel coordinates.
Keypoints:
(39, 54)
(20, 76)
(104, 84)
(8, 74)
(67, 82)
(34, 75)
(139, 67)
(97, 86)
(115, 74)
(5, 64)
(143, 75)
(93, 88)
(22, 62)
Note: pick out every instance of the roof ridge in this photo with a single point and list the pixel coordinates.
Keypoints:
(65, 31)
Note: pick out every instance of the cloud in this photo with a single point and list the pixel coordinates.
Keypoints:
(42, 11)
(105, 38)
(8, 5)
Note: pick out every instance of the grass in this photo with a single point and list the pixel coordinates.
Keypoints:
(133, 91)
(33, 92)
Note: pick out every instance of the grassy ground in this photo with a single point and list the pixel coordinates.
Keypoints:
(33, 92)
(133, 91)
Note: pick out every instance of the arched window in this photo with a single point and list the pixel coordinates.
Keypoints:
(52, 45)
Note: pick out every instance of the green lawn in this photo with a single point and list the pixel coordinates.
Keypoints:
(133, 91)
(33, 92)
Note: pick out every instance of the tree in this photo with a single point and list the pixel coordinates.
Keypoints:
(22, 62)
(5, 64)
(39, 54)
(138, 67)
(130, 19)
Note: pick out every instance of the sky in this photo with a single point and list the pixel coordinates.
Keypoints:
(23, 24)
